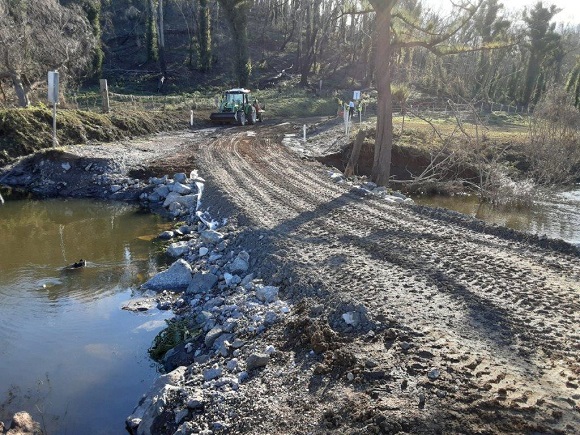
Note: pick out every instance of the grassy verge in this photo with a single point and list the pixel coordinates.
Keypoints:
(295, 103)
(24, 131)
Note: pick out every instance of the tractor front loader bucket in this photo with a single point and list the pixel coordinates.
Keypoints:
(223, 117)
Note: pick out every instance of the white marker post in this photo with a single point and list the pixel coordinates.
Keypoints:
(346, 121)
(356, 97)
(53, 98)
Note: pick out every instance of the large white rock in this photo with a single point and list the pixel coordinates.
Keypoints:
(212, 373)
(202, 283)
(394, 198)
(203, 251)
(177, 277)
(162, 190)
(241, 263)
(189, 201)
(171, 197)
(181, 189)
(155, 402)
(178, 249)
(210, 236)
(267, 293)
(176, 209)
(180, 177)
(157, 181)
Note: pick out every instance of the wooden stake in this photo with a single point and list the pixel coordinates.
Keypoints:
(105, 96)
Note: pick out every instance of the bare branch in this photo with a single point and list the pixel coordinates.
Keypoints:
(436, 38)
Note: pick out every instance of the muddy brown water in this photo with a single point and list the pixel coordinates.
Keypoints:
(69, 354)
(555, 215)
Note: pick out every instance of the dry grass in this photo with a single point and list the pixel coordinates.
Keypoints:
(420, 133)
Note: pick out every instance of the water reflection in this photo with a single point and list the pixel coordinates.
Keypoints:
(556, 215)
(68, 353)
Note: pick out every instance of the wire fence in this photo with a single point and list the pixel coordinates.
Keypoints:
(197, 101)
(448, 107)
(94, 102)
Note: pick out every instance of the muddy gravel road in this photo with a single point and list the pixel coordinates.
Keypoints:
(460, 327)
(405, 319)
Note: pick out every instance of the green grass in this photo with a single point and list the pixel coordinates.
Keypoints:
(177, 332)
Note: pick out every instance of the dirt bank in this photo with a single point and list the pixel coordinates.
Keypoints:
(25, 131)
(462, 328)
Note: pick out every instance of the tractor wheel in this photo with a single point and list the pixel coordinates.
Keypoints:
(252, 116)
(241, 117)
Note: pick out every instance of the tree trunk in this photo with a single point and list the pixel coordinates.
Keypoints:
(354, 156)
(236, 12)
(204, 36)
(161, 38)
(151, 32)
(305, 49)
(21, 91)
(384, 135)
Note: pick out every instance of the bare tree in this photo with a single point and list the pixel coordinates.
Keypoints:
(409, 34)
(39, 36)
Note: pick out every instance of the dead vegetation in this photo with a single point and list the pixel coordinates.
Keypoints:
(502, 158)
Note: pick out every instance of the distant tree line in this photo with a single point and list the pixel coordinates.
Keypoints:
(511, 59)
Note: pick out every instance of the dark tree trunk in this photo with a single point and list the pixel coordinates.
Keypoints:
(236, 12)
(151, 32)
(384, 135)
(21, 90)
(161, 38)
(204, 36)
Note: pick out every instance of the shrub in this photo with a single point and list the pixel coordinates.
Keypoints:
(177, 332)
(554, 147)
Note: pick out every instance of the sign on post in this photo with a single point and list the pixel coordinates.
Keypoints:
(356, 97)
(53, 87)
(53, 98)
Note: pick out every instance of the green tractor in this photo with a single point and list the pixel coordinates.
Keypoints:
(236, 107)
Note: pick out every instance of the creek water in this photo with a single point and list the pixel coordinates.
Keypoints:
(554, 214)
(69, 355)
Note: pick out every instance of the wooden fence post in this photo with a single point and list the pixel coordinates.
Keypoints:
(104, 96)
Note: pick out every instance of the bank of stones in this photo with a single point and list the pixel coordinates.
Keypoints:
(211, 287)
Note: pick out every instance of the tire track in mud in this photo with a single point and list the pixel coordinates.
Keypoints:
(265, 181)
(253, 170)
(513, 305)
